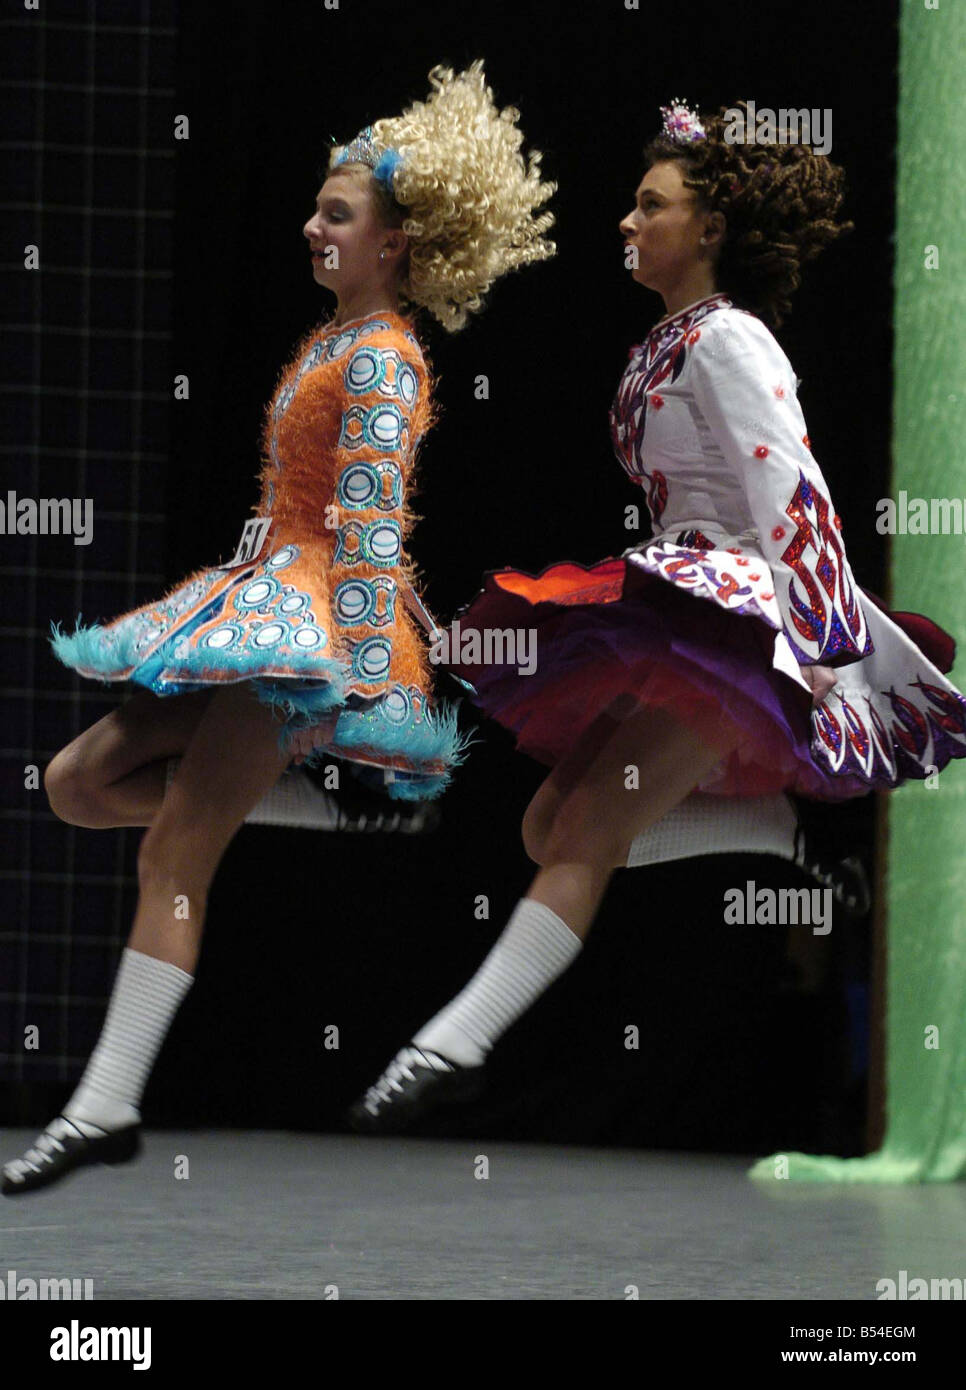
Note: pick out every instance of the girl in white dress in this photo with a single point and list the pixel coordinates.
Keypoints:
(733, 654)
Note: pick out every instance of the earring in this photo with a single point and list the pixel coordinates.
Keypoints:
(704, 240)
(382, 255)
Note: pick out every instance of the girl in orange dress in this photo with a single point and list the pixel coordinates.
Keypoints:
(311, 640)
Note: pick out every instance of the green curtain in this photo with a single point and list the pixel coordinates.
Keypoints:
(925, 1138)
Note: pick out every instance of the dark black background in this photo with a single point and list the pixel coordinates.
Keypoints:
(374, 933)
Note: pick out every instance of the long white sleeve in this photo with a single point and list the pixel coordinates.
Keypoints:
(745, 388)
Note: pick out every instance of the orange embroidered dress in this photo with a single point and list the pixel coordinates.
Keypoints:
(318, 608)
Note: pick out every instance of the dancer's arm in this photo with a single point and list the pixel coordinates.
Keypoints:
(745, 388)
(385, 412)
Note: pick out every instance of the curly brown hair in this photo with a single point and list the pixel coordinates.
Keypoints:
(779, 202)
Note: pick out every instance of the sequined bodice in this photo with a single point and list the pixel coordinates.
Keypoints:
(348, 397)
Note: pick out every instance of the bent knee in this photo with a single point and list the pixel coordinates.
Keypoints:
(70, 793)
(538, 822)
(534, 835)
(578, 835)
(584, 845)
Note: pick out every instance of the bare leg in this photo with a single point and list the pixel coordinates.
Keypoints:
(545, 805)
(231, 759)
(597, 817)
(229, 763)
(113, 774)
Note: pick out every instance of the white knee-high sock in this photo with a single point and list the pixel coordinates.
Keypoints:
(147, 994)
(534, 948)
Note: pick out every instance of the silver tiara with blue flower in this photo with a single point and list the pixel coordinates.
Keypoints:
(362, 150)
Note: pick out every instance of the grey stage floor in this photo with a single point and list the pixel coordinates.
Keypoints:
(287, 1216)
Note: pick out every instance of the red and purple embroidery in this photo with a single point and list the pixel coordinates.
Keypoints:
(659, 360)
(832, 626)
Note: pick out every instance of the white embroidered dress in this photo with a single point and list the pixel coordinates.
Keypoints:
(707, 421)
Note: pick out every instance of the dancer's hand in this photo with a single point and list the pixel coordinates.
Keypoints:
(821, 679)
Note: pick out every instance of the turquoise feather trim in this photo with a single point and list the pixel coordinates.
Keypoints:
(92, 647)
(436, 738)
(109, 656)
(302, 706)
(418, 789)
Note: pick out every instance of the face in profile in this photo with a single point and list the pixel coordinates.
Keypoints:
(666, 226)
(345, 219)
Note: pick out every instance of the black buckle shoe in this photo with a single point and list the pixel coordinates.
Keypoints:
(61, 1148)
(415, 1082)
(846, 877)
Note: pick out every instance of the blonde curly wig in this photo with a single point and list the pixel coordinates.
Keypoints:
(464, 194)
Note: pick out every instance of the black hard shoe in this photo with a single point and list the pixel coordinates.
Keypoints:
(415, 1082)
(846, 877)
(63, 1147)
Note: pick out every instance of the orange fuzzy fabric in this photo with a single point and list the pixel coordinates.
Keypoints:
(306, 508)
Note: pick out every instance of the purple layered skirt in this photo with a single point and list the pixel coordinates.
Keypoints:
(613, 636)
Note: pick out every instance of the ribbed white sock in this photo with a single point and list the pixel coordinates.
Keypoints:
(147, 994)
(534, 948)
